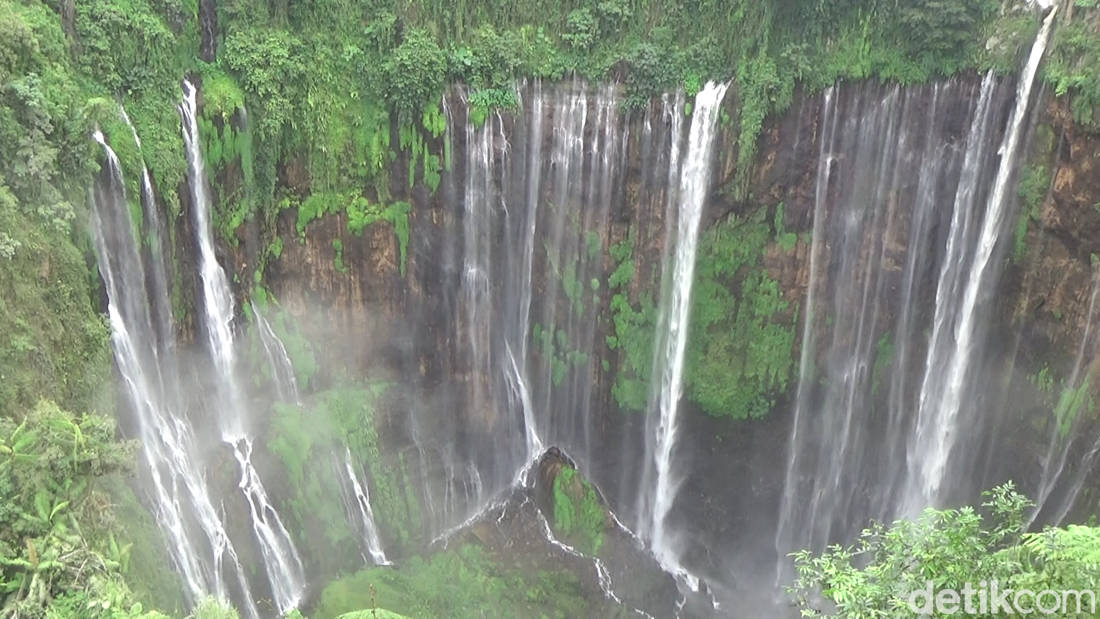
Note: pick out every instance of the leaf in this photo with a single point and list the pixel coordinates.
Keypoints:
(24, 441)
(57, 509)
(124, 557)
(42, 505)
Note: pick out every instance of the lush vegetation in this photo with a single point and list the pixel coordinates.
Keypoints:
(578, 514)
(634, 324)
(1073, 64)
(462, 582)
(62, 546)
(299, 350)
(741, 344)
(954, 549)
(332, 109)
(312, 441)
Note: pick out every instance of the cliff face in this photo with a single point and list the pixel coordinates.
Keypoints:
(521, 312)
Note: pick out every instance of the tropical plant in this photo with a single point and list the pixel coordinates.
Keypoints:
(56, 538)
(953, 549)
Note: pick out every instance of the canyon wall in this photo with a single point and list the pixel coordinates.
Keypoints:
(519, 312)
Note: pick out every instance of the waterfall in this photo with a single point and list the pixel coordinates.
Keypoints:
(522, 323)
(157, 238)
(282, 369)
(942, 393)
(217, 297)
(786, 528)
(536, 191)
(672, 112)
(1073, 397)
(364, 513)
(883, 173)
(281, 560)
(197, 540)
(910, 199)
(668, 368)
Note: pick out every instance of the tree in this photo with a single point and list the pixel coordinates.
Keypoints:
(56, 544)
(951, 549)
(415, 72)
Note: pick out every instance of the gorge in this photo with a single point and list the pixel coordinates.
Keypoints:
(544, 342)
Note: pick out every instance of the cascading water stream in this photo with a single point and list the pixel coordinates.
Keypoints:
(368, 528)
(673, 113)
(158, 240)
(669, 366)
(281, 560)
(942, 394)
(903, 177)
(517, 202)
(1067, 420)
(786, 528)
(197, 539)
(518, 369)
(282, 369)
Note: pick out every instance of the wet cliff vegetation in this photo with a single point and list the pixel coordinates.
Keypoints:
(323, 124)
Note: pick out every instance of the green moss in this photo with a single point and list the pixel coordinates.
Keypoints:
(338, 259)
(306, 439)
(1034, 182)
(460, 583)
(740, 348)
(633, 324)
(884, 357)
(578, 513)
(150, 572)
(785, 240)
(554, 347)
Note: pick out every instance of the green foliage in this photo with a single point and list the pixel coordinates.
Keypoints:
(634, 325)
(221, 96)
(54, 343)
(1034, 183)
(1067, 401)
(150, 573)
(942, 31)
(415, 73)
(374, 613)
(307, 440)
(1043, 380)
(785, 240)
(299, 350)
(578, 514)
(740, 348)
(338, 260)
(553, 345)
(360, 214)
(485, 101)
(459, 583)
(213, 608)
(884, 357)
(1072, 65)
(59, 553)
(1071, 403)
(951, 548)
